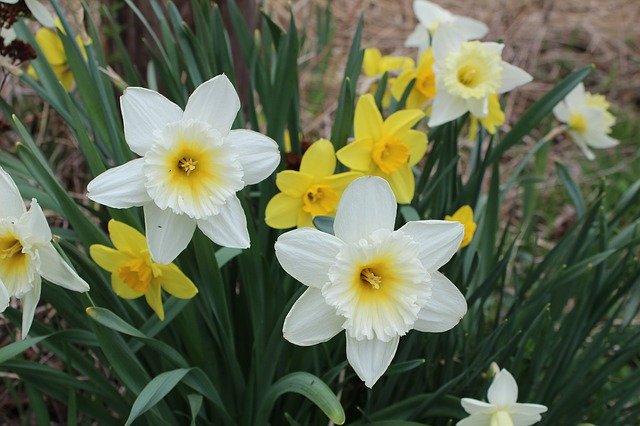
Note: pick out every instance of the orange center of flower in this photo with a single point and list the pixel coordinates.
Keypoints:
(137, 274)
(426, 84)
(468, 76)
(320, 200)
(578, 122)
(187, 165)
(389, 154)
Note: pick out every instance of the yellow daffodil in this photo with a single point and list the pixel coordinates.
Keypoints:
(52, 48)
(375, 65)
(424, 88)
(386, 148)
(134, 273)
(494, 118)
(313, 191)
(464, 215)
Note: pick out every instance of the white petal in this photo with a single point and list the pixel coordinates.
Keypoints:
(368, 204)
(41, 13)
(120, 187)
(478, 107)
(526, 408)
(311, 321)
(11, 204)
(471, 28)
(513, 77)
(258, 154)
(579, 140)
(444, 309)
(439, 240)
(307, 254)
(34, 225)
(447, 39)
(143, 112)
(561, 112)
(418, 38)
(493, 47)
(446, 107)
(229, 227)
(371, 358)
(56, 270)
(519, 419)
(29, 303)
(503, 390)
(575, 98)
(480, 419)
(430, 13)
(473, 406)
(214, 102)
(168, 234)
(600, 140)
(4, 297)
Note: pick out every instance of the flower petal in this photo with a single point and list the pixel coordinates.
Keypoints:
(368, 204)
(122, 289)
(402, 183)
(40, 12)
(293, 183)
(107, 258)
(4, 297)
(120, 187)
(311, 320)
(473, 406)
(176, 283)
(368, 120)
(143, 112)
(429, 13)
(307, 254)
(600, 140)
(51, 46)
(503, 390)
(29, 304)
(319, 160)
(214, 102)
(35, 225)
(11, 204)
(258, 154)
(371, 358)
(471, 28)
(520, 419)
(417, 143)
(340, 181)
(575, 98)
(446, 39)
(126, 238)
(439, 240)
(513, 77)
(357, 154)
(480, 419)
(401, 120)
(478, 107)
(446, 108)
(282, 211)
(444, 309)
(229, 227)
(56, 270)
(418, 38)
(561, 112)
(527, 408)
(168, 234)
(154, 299)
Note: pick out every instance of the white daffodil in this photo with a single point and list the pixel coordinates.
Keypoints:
(27, 255)
(431, 17)
(369, 280)
(468, 73)
(192, 165)
(38, 11)
(588, 119)
(502, 408)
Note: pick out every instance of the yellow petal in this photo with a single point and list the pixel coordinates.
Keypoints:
(464, 214)
(371, 62)
(154, 299)
(417, 143)
(66, 78)
(340, 181)
(305, 220)
(126, 238)
(293, 183)
(51, 46)
(368, 120)
(473, 127)
(402, 183)
(108, 258)
(400, 84)
(319, 160)
(391, 63)
(175, 282)
(282, 211)
(121, 289)
(469, 231)
(401, 121)
(357, 155)
(495, 116)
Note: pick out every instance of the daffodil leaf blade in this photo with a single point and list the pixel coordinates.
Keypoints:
(154, 391)
(13, 349)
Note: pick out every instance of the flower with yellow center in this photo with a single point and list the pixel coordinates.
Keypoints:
(494, 118)
(464, 215)
(374, 283)
(432, 17)
(27, 254)
(135, 274)
(312, 191)
(468, 73)
(588, 119)
(502, 408)
(375, 65)
(192, 165)
(386, 148)
(424, 88)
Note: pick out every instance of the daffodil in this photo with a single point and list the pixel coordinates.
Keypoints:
(39, 12)
(464, 215)
(374, 283)
(502, 408)
(312, 191)
(27, 254)
(374, 64)
(190, 169)
(386, 148)
(494, 118)
(588, 119)
(135, 274)
(468, 73)
(431, 17)
(52, 48)
(424, 88)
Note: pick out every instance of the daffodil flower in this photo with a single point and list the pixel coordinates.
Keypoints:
(192, 165)
(424, 88)
(386, 148)
(464, 215)
(502, 408)
(313, 191)
(494, 118)
(374, 283)
(374, 64)
(39, 12)
(431, 17)
(588, 119)
(468, 73)
(27, 254)
(135, 274)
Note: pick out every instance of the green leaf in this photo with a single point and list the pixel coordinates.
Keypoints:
(16, 348)
(154, 391)
(572, 189)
